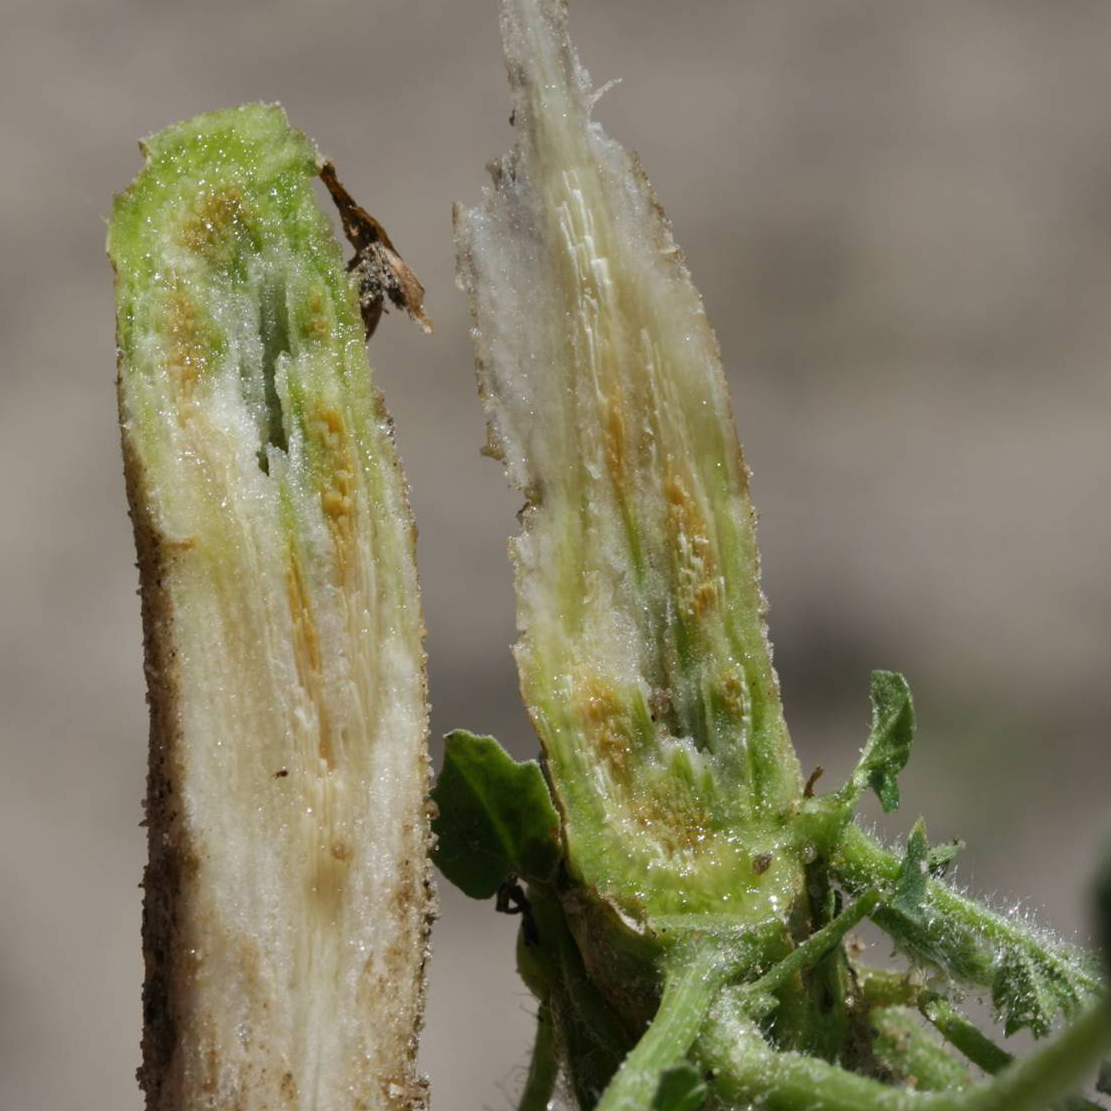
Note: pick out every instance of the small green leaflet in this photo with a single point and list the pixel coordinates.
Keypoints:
(888, 747)
(920, 863)
(681, 1089)
(496, 820)
(912, 880)
(940, 856)
(1029, 992)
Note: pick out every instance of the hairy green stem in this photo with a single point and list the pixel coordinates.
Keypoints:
(544, 1067)
(911, 1054)
(964, 936)
(688, 993)
(1055, 1067)
(964, 1035)
(886, 987)
(747, 1070)
(586, 1034)
(817, 945)
(981, 1050)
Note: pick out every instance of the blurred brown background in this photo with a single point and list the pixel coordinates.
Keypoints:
(899, 214)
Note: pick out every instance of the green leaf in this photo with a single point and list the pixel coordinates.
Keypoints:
(1029, 992)
(940, 856)
(496, 820)
(888, 747)
(911, 884)
(681, 1089)
(967, 939)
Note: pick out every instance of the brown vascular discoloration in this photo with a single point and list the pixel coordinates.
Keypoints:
(337, 499)
(734, 692)
(306, 650)
(673, 820)
(659, 703)
(615, 437)
(288, 1088)
(606, 721)
(209, 229)
(190, 343)
(698, 585)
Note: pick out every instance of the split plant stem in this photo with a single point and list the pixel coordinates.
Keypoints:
(287, 894)
(677, 810)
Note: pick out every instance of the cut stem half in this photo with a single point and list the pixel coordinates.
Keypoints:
(287, 892)
(643, 655)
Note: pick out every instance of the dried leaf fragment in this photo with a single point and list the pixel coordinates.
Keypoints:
(382, 273)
